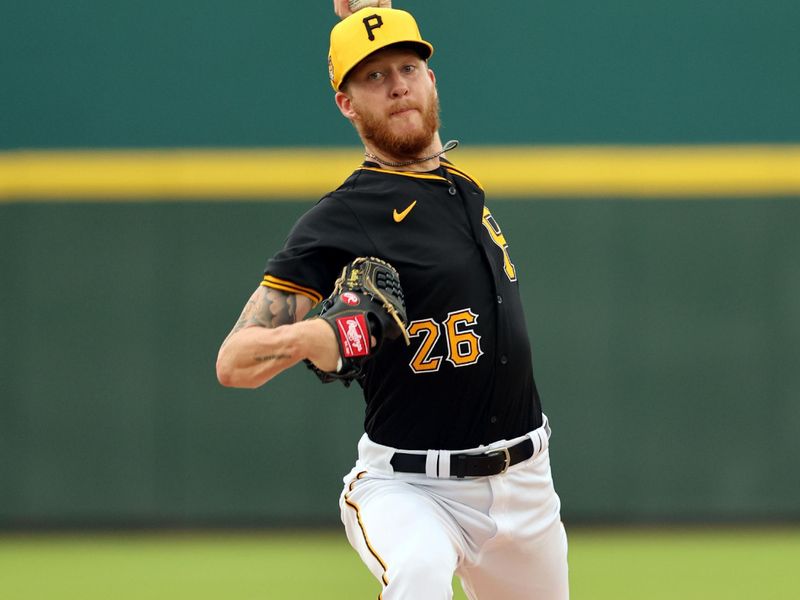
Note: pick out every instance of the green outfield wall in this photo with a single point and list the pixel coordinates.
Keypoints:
(666, 339)
(641, 157)
(254, 73)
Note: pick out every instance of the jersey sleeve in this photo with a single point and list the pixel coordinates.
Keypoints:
(319, 245)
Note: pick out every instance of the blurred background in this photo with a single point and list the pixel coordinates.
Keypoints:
(154, 155)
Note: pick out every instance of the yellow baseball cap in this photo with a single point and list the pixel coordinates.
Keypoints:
(365, 32)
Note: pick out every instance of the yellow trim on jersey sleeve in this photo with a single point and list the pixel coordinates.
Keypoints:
(288, 286)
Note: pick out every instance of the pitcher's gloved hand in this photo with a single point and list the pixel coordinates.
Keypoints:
(366, 304)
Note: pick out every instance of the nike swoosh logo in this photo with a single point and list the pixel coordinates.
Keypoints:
(399, 216)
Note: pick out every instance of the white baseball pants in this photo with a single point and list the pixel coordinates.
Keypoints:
(502, 535)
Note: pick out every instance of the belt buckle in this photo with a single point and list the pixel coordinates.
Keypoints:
(506, 457)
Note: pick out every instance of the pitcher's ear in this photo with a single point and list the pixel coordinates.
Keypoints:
(345, 105)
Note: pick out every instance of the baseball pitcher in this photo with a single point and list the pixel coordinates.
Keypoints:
(419, 306)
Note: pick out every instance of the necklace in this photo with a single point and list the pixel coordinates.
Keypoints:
(448, 146)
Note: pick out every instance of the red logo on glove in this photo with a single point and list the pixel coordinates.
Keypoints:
(350, 298)
(353, 335)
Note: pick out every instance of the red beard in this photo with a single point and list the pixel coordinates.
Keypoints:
(405, 144)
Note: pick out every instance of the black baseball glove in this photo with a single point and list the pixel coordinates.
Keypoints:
(367, 303)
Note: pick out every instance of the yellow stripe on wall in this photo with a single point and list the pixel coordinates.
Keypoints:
(308, 173)
(173, 174)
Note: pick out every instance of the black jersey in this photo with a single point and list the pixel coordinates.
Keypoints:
(466, 379)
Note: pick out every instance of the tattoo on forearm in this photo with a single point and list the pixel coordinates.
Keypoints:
(269, 357)
(267, 307)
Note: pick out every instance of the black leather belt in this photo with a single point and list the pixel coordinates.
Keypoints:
(492, 462)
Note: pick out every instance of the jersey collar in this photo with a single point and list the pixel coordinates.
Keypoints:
(436, 175)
